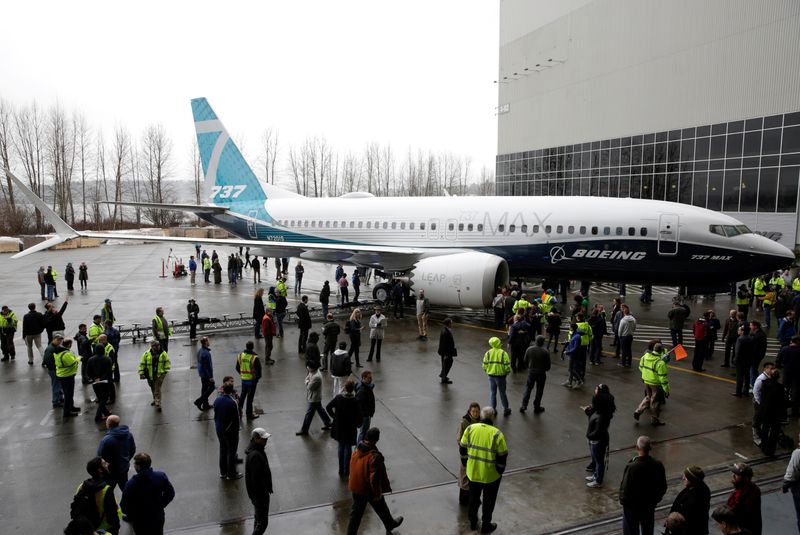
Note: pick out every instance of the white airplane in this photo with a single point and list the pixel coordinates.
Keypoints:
(461, 249)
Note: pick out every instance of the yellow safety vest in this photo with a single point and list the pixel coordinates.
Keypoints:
(247, 363)
(520, 303)
(162, 331)
(758, 287)
(796, 284)
(109, 350)
(769, 298)
(777, 281)
(547, 304)
(66, 363)
(280, 287)
(586, 332)
(496, 361)
(9, 321)
(483, 443)
(146, 364)
(743, 301)
(95, 331)
(100, 502)
(654, 371)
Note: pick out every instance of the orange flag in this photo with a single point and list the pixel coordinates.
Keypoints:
(680, 352)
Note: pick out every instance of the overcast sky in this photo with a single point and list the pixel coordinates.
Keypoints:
(414, 73)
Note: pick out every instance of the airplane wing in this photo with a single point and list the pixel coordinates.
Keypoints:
(389, 258)
(193, 208)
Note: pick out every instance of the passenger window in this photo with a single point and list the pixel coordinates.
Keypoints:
(385, 225)
(422, 226)
(394, 225)
(450, 226)
(631, 231)
(480, 227)
(369, 224)
(461, 226)
(335, 224)
(403, 225)
(305, 224)
(535, 229)
(469, 227)
(594, 231)
(411, 226)
(524, 229)
(501, 228)
(512, 228)
(327, 224)
(360, 224)
(643, 231)
(547, 229)
(619, 231)
(560, 229)
(571, 229)
(606, 231)
(583, 230)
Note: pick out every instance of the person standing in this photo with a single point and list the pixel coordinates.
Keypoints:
(154, 366)
(656, 383)
(107, 312)
(366, 400)
(368, 482)
(303, 323)
(49, 283)
(258, 478)
(113, 337)
(743, 300)
(40, 280)
(693, 501)
(447, 350)
(85, 345)
(256, 265)
(105, 348)
(377, 328)
(343, 291)
(759, 349)
(146, 496)
(356, 285)
(8, 326)
(538, 362)
(701, 341)
(69, 276)
(161, 329)
(100, 370)
(66, 369)
(353, 329)
(217, 268)
(729, 335)
(299, 270)
(472, 416)
(226, 424)
(83, 275)
(600, 413)
(791, 481)
(268, 332)
(644, 484)
(788, 359)
(341, 367)
(193, 312)
(423, 310)
(627, 327)
(330, 332)
(249, 368)
(745, 500)
(497, 366)
(346, 413)
(519, 338)
(314, 397)
(205, 369)
(207, 270)
(117, 448)
(54, 320)
(312, 349)
(32, 329)
(484, 453)
(49, 362)
(771, 412)
(744, 353)
(498, 308)
(192, 270)
(325, 297)
(677, 319)
(281, 304)
(94, 499)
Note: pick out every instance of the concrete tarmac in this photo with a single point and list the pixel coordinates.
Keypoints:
(543, 490)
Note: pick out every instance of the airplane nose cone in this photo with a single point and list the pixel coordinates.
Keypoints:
(767, 246)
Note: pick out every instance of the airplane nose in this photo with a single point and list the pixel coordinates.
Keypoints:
(771, 247)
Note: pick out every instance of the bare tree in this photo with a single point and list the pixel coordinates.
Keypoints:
(83, 141)
(29, 144)
(156, 162)
(120, 154)
(269, 147)
(197, 172)
(6, 125)
(61, 135)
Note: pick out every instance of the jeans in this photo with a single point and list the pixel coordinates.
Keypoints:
(373, 344)
(228, 443)
(55, 388)
(537, 380)
(626, 344)
(297, 282)
(50, 291)
(489, 491)
(632, 519)
(315, 407)
(767, 316)
(248, 391)
(344, 454)
(261, 513)
(677, 336)
(596, 349)
(796, 498)
(598, 451)
(360, 505)
(355, 345)
(365, 423)
(495, 382)
(33, 339)
(206, 389)
(280, 317)
(68, 388)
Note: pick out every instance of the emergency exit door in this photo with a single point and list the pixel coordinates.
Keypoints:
(668, 234)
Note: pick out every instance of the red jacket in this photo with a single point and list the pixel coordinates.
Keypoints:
(745, 502)
(267, 326)
(368, 473)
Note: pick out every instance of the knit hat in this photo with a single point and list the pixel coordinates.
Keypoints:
(694, 473)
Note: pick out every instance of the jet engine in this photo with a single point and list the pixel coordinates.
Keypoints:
(462, 279)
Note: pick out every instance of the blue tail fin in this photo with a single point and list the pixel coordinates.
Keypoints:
(229, 180)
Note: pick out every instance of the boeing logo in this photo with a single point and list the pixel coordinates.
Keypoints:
(557, 254)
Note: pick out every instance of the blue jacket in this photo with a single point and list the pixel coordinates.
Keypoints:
(574, 344)
(204, 367)
(117, 447)
(113, 336)
(785, 331)
(226, 415)
(144, 499)
(192, 265)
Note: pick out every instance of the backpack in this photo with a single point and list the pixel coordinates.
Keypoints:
(84, 506)
(341, 366)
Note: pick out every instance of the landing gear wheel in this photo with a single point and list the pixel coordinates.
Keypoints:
(381, 293)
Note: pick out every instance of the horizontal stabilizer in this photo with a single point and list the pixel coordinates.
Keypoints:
(194, 208)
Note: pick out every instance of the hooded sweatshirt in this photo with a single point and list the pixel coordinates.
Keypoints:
(117, 447)
(495, 361)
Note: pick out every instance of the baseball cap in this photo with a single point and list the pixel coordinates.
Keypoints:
(260, 432)
(742, 469)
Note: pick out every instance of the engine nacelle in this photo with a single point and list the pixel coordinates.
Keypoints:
(462, 279)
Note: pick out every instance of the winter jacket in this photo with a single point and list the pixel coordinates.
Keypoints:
(346, 414)
(32, 323)
(303, 317)
(644, 483)
(366, 398)
(144, 499)
(340, 363)
(54, 321)
(325, 294)
(693, 503)
(330, 331)
(99, 367)
(368, 476)
(677, 317)
(759, 345)
(257, 475)
(117, 447)
(108, 514)
(745, 502)
(538, 360)
(377, 326)
(314, 387)
(258, 309)
(226, 415)
(312, 353)
(447, 345)
(205, 367)
(597, 430)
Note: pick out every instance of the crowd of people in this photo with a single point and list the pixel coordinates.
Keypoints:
(532, 327)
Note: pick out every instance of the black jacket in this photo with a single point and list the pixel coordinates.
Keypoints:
(745, 350)
(447, 345)
(644, 483)
(772, 408)
(32, 323)
(366, 398)
(84, 345)
(144, 499)
(99, 367)
(346, 413)
(303, 317)
(258, 309)
(54, 321)
(693, 503)
(312, 353)
(759, 345)
(257, 474)
(538, 360)
(598, 428)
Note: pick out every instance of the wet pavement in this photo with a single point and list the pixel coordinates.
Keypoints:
(543, 490)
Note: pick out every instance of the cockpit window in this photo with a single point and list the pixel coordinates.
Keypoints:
(716, 229)
(731, 230)
(743, 229)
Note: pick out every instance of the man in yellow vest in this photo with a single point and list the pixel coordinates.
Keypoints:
(249, 367)
(8, 326)
(522, 305)
(656, 383)
(101, 507)
(154, 366)
(743, 298)
(777, 281)
(483, 452)
(796, 283)
(497, 365)
(66, 370)
(95, 329)
(759, 291)
(161, 329)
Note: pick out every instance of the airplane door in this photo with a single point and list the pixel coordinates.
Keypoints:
(451, 230)
(251, 225)
(668, 234)
(433, 230)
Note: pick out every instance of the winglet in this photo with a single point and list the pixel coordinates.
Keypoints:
(63, 231)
